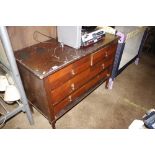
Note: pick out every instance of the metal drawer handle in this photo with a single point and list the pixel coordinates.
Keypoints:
(103, 66)
(73, 72)
(70, 98)
(106, 54)
(91, 60)
(73, 86)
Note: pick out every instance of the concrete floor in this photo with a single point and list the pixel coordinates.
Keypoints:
(132, 95)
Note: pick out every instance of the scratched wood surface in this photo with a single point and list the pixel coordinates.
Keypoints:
(46, 58)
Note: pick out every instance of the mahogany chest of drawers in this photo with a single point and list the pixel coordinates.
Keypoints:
(56, 79)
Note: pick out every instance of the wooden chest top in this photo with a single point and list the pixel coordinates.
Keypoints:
(46, 58)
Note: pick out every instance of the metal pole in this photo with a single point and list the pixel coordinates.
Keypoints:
(15, 73)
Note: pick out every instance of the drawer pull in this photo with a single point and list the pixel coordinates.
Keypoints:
(103, 66)
(70, 98)
(73, 72)
(73, 86)
(106, 54)
(91, 60)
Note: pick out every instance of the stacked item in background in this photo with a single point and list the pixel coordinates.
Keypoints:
(9, 94)
(129, 47)
(149, 119)
(147, 122)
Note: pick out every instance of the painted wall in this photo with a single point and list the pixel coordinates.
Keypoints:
(22, 36)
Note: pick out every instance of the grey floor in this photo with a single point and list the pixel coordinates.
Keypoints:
(132, 95)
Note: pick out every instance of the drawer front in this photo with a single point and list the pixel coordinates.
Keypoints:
(68, 87)
(76, 82)
(102, 54)
(99, 55)
(75, 95)
(81, 65)
(68, 72)
(62, 105)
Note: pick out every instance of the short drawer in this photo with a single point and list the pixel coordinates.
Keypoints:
(68, 72)
(81, 65)
(99, 55)
(102, 54)
(81, 91)
(76, 82)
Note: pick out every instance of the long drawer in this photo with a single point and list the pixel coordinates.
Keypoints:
(58, 78)
(75, 95)
(76, 82)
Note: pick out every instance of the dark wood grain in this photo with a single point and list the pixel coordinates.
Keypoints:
(76, 82)
(68, 72)
(35, 90)
(80, 91)
(55, 83)
(42, 61)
